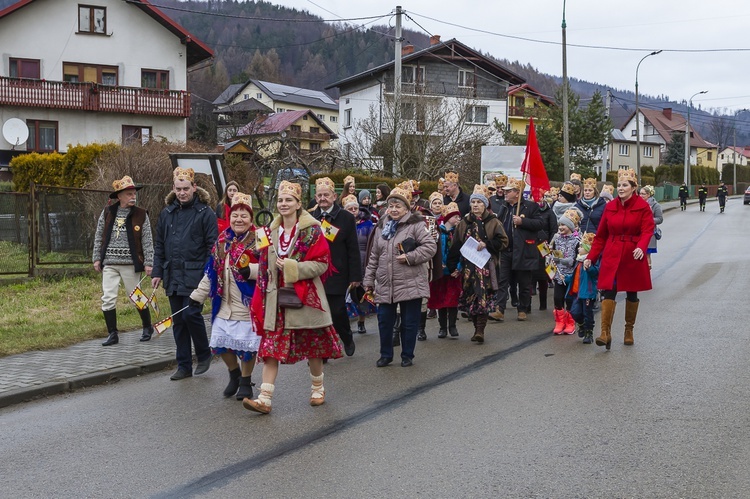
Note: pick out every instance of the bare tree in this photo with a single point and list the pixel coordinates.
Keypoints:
(721, 129)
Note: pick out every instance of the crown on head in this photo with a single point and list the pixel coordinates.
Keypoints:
(451, 177)
(450, 208)
(401, 193)
(568, 188)
(291, 188)
(628, 175)
(574, 216)
(588, 238)
(325, 183)
(491, 185)
(350, 199)
(122, 184)
(184, 174)
(240, 198)
(609, 188)
(590, 183)
(501, 180)
(441, 184)
(435, 195)
(576, 176)
(515, 183)
(348, 178)
(481, 189)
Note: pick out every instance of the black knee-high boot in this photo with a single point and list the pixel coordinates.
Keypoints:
(452, 317)
(421, 334)
(443, 321)
(543, 285)
(148, 329)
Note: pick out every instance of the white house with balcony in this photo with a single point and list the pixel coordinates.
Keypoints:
(444, 76)
(99, 71)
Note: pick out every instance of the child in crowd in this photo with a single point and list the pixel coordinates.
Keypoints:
(565, 247)
(445, 291)
(582, 289)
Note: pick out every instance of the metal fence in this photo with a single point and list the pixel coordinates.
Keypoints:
(54, 227)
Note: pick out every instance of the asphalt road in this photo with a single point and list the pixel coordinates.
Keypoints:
(527, 414)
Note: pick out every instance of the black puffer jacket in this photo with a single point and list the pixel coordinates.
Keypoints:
(185, 235)
(523, 239)
(549, 219)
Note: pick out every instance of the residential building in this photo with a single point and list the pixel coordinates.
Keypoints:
(621, 154)
(731, 155)
(441, 85)
(303, 130)
(658, 126)
(106, 70)
(525, 102)
(279, 98)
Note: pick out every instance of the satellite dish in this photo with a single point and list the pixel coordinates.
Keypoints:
(15, 131)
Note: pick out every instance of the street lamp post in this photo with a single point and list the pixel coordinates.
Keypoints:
(566, 131)
(638, 119)
(687, 139)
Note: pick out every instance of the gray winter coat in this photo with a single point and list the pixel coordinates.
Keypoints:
(393, 281)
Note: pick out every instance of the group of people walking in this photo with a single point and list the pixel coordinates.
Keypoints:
(722, 193)
(285, 293)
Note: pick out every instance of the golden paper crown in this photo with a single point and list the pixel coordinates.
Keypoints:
(588, 238)
(184, 174)
(435, 195)
(240, 198)
(501, 180)
(401, 193)
(568, 187)
(325, 183)
(450, 209)
(350, 199)
(291, 188)
(650, 189)
(491, 185)
(451, 177)
(515, 183)
(609, 188)
(552, 192)
(589, 182)
(576, 176)
(481, 189)
(574, 216)
(441, 184)
(348, 179)
(122, 184)
(628, 175)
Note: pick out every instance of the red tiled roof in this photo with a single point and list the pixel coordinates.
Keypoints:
(197, 50)
(269, 124)
(666, 125)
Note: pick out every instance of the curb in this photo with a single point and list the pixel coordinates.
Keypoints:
(83, 381)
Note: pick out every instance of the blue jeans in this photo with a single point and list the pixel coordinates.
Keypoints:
(188, 325)
(582, 311)
(410, 311)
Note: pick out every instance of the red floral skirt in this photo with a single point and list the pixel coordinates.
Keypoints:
(444, 292)
(290, 346)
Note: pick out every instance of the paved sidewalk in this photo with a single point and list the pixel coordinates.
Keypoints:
(34, 374)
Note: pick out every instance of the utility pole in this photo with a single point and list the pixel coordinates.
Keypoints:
(605, 156)
(397, 96)
(687, 138)
(566, 132)
(734, 161)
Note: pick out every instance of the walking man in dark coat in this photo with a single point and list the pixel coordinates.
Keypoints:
(722, 193)
(521, 257)
(185, 233)
(702, 195)
(340, 229)
(683, 194)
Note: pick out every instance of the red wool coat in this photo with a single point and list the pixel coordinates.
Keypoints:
(622, 229)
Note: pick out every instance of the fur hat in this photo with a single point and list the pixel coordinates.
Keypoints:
(401, 194)
(291, 188)
(123, 184)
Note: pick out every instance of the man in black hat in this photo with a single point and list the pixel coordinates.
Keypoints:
(123, 248)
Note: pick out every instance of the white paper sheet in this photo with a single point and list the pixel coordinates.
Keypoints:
(470, 252)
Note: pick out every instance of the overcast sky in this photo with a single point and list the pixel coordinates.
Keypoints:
(645, 25)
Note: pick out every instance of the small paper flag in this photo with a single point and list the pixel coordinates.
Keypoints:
(329, 230)
(162, 326)
(262, 239)
(139, 298)
(154, 304)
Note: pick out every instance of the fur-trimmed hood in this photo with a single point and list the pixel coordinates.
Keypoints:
(305, 220)
(203, 196)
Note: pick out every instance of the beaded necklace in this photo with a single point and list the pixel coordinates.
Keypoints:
(284, 242)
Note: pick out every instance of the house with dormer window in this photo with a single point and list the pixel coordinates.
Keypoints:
(96, 71)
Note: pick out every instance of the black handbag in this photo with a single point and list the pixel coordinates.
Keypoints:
(287, 298)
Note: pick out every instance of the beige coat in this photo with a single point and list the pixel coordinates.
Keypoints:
(305, 317)
(393, 281)
(232, 308)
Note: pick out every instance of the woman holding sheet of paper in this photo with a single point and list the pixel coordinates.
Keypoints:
(478, 296)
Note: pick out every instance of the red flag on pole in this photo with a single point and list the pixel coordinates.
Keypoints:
(533, 166)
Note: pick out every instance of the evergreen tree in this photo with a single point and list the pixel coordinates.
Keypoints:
(675, 154)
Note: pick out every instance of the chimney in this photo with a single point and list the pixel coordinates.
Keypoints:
(407, 49)
(434, 39)
(667, 111)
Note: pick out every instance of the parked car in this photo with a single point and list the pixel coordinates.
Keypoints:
(747, 196)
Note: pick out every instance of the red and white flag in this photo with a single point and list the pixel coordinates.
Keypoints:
(535, 175)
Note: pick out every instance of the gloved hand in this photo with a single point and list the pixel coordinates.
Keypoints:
(244, 272)
(194, 303)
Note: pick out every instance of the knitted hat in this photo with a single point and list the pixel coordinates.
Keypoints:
(401, 194)
(449, 210)
(349, 200)
(364, 193)
(568, 192)
(571, 219)
(123, 184)
(481, 193)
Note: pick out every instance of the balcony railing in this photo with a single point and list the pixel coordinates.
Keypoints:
(310, 136)
(93, 97)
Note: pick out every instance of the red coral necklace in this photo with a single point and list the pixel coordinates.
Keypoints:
(285, 242)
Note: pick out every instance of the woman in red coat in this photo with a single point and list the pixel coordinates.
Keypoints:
(621, 240)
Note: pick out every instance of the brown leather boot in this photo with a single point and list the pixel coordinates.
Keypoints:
(608, 313)
(480, 322)
(631, 311)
